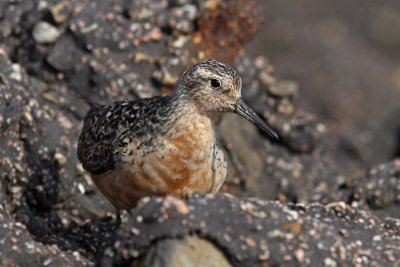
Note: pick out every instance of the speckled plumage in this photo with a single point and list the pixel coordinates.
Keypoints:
(166, 144)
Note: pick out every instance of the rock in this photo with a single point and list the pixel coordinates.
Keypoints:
(252, 232)
(5, 29)
(45, 33)
(377, 189)
(19, 249)
(383, 137)
(301, 141)
(182, 18)
(283, 88)
(223, 30)
(16, 72)
(63, 55)
(60, 11)
(245, 147)
(60, 158)
(190, 251)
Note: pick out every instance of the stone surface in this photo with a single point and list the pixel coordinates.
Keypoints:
(375, 189)
(63, 56)
(19, 249)
(253, 232)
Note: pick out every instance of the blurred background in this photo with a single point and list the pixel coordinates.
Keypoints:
(345, 55)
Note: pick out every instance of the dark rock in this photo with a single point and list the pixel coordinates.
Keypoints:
(377, 189)
(300, 140)
(383, 137)
(18, 248)
(247, 231)
(2, 8)
(63, 56)
(241, 140)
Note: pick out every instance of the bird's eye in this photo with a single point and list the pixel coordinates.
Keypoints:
(215, 83)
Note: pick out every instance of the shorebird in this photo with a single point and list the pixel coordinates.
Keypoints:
(164, 145)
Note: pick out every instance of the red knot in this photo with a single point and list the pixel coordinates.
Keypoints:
(164, 145)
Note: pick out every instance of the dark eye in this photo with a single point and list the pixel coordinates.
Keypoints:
(215, 83)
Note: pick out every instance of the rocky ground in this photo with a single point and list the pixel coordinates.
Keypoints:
(59, 57)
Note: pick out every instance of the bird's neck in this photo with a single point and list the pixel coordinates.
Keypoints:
(189, 117)
(188, 103)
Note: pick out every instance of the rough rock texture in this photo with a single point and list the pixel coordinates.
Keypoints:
(111, 50)
(253, 232)
(19, 249)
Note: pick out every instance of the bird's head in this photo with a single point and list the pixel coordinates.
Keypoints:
(213, 86)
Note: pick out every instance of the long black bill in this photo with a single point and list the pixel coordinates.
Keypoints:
(246, 112)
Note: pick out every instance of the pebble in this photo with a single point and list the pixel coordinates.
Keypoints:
(299, 254)
(16, 189)
(16, 72)
(60, 11)
(61, 159)
(45, 33)
(283, 88)
(5, 28)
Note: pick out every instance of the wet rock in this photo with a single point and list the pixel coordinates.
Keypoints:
(45, 33)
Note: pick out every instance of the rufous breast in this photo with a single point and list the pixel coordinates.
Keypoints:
(179, 165)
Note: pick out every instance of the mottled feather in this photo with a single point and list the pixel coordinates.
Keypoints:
(109, 127)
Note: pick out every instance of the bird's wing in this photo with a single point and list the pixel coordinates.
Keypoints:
(96, 142)
(107, 130)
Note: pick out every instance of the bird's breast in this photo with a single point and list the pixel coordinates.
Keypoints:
(182, 162)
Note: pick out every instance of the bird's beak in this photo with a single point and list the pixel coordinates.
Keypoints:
(246, 112)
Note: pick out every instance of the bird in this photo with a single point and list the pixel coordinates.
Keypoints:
(164, 145)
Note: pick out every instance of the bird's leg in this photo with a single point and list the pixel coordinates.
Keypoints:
(118, 217)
